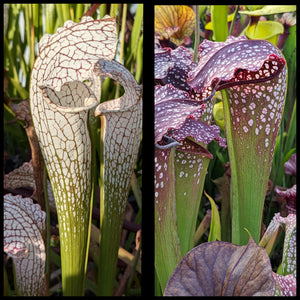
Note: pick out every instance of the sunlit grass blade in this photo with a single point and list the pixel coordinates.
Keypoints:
(139, 60)
(219, 22)
(136, 29)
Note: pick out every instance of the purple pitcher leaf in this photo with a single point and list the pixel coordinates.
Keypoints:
(289, 196)
(173, 66)
(285, 285)
(199, 131)
(178, 115)
(191, 162)
(290, 165)
(172, 107)
(163, 62)
(235, 62)
(167, 244)
(252, 76)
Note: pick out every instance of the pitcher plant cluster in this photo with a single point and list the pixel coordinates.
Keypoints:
(236, 77)
(87, 147)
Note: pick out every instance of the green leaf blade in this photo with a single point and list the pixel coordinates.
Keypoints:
(215, 224)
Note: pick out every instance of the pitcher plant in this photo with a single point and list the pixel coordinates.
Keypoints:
(121, 126)
(252, 76)
(60, 102)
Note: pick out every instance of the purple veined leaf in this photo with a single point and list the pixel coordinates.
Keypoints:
(223, 269)
(252, 76)
(179, 174)
(237, 61)
(172, 107)
(285, 285)
(290, 165)
(24, 226)
(199, 131)
(172, 66)
(177, 114)
(289, 196)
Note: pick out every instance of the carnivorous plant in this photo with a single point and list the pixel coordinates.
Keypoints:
(60, 102)
(252, 76)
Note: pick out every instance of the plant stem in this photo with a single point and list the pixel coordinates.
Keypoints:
(234, 180)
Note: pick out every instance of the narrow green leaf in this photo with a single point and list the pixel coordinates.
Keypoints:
(60, 15)
(215, 225)
(102, 9)
(66, 12)
(136, 29)
(113, 10)
(23, 65)
(14, 12)
(203, 226)
(139, 60)
(290, 54)
(219, 22)
(79, 11)
(223, 185)
(30, 35)
(197, 36)
(50, 17)
(23, 92)
(291, 134)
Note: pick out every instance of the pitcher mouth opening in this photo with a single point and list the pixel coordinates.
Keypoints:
(73, 97)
